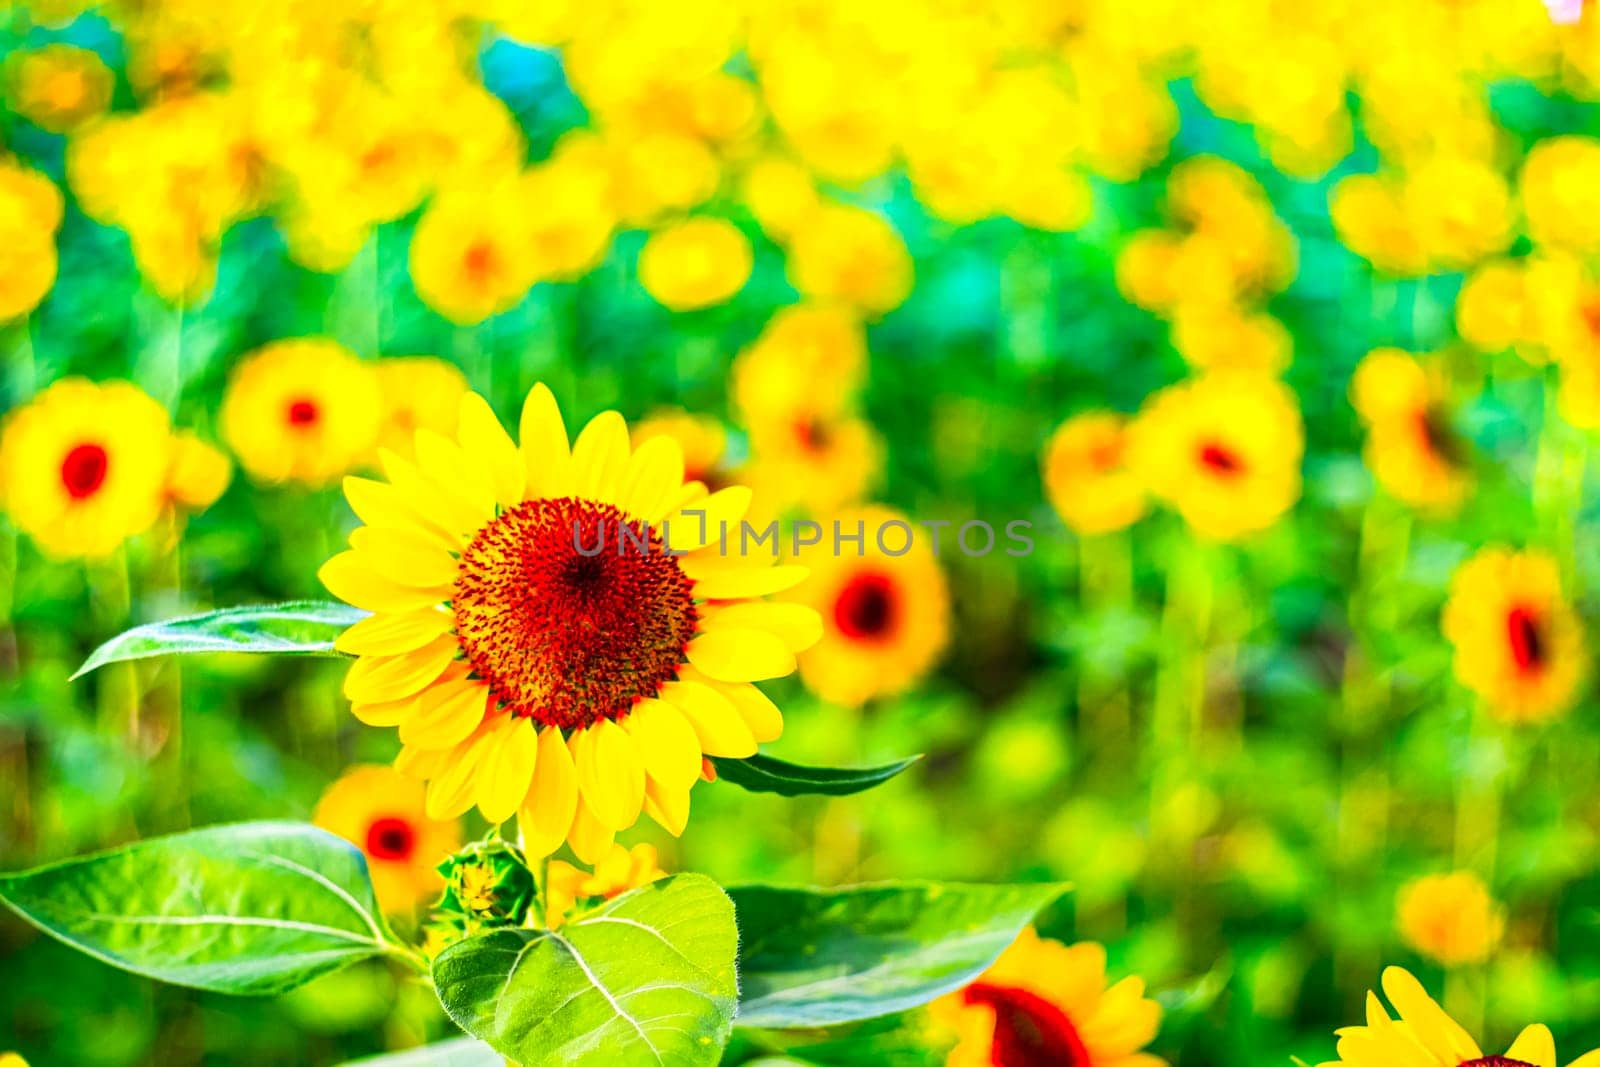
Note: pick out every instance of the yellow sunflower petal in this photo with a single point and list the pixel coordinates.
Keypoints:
(668, 806)
(374, 679)
(380, 504)
(599, 456)
(716, 722)
(610, 773)
(711, 521)
(796, 625)
(545, 454)
(1536, 1045)
(391, 633)
(754, 707)
(652, 479)
(508, 768)
(385, 713)
(405, 558)
(452, 791)
(446, 714)
(428, 496)
(590, 840)
(486, 441)
(719, 578)
(740, 655)
(1442, 1035)
(353, 577)
(667, 743)
(443, 460)
(551, 801)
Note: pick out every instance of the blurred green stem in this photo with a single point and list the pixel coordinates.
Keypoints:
(1480, 794)
(1558, 477)
(1105, 586)
(110, 599)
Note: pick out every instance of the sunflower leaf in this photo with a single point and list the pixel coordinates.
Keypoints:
(647, 979)
(300, 627)
(763, 774)
(813, 957)
(251, 908)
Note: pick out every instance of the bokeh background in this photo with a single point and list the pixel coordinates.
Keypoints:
(871, 254)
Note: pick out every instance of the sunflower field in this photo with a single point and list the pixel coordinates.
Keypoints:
(797, 533)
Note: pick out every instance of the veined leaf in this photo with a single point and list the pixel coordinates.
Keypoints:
(648, 979)
(462, 1052)
(814, 958)
(251, 908)
(300, 627)
(763, 774)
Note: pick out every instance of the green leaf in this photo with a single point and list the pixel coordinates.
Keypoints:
(462, 1052)
(251, 908)
(301, 627)
(812, 958)
(763, 774)
(647, 979)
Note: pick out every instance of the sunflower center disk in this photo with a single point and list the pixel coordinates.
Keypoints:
(569, 613)
(1496, 1061)
(1029, 1031)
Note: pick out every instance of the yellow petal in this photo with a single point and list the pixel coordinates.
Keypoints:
(390, 633)
(451, 793)
(599, 456)
(545, 455)
(443, 460)
(427, 496)
(380, 504)
(353, 577)
(374, 679)
(754, 707)
(716, 578)
(508, 768)
(590, 840)
(740, 655)
(713, 521)
(486, 441)
(547, 810)
(667, 743)
(446, 714)
(385, 713)
(668, 806)
(1535, 1046)
(713, 717)
(405, 557)
(652, 480)
(1442, 1035)
(610, 774)
(796, 625)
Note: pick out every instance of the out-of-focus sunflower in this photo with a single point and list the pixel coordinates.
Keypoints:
(540, 659)
(1086, 474)
(473, 253)
(1422, 1034)
(618, 871)
(885, 617)
(812, 462)
(381, 812)
(198, 474)
(1560, 187)
(1223, 450)
(702, 439)
(695, 263)
(30, 214)
(59, 86)
(419, 392)
(809, 358)
(83, 466)
(851, 255)
(12, 1059)
(1518, 643)
(1414, 451)
(303, 410)
(1450, 918)
(1047, 1003)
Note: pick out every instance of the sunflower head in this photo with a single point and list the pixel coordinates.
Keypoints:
(381, 812)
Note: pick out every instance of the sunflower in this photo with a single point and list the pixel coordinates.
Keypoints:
(30, 214)
(885, 617)
(618, 871)
(59, 86)
(381, 812)
(83, 466)
(544, 653)
(1047, 1003)
(1518, 643)
(1414, 451)
(1224, 450)
(695, 263)
(1450, 918)
(702, 439)
(303, 410)
(810, 358)
(1422, 1035)
(1086, 474)
(198, 473)
(419, 392)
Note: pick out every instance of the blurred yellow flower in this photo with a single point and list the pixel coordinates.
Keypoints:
(695, 263)
(780, 193)
(1450, 918)
(1493, 311)
(419, 393)
(198, 474)
(809, 358)
(815, 462)
(12, 1059)
(1560, 187)
(58, 86)
(473, 255)
(83, 466)
(1518, 643)
(1460, 210)
(381, 812)
(1414, 451)
(851, 255)
(1043, 1002)
(1086, 474)
(30, 213)
(304, 410)
(618, 871)
(1369, 219)
(883, 601)
(1226, 337)
(1223, 450)
(702, 439)
(571, 230)
(580, 707)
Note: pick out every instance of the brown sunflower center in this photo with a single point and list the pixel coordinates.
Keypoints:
(1440, 437)
(84, 470)
(1220, 460)
(1526, 637)
(390, 838)
(867, 608)
(1496, 1061)
(1029, 1031)
(302, 412)
(570, 613)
